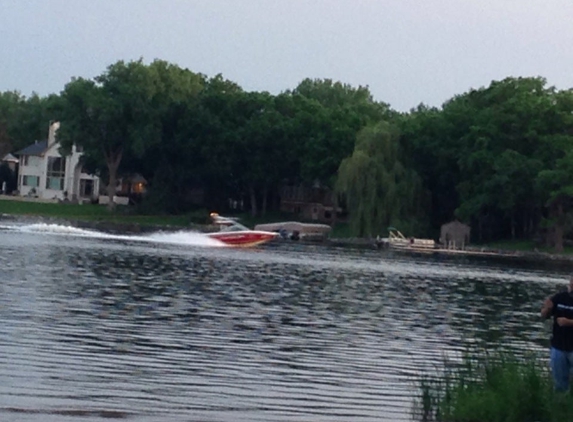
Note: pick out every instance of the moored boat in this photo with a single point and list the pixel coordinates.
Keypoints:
(296, 230)
(396, 240)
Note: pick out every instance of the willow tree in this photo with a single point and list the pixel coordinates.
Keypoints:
(379, 190)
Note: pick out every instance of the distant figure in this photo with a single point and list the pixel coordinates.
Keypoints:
(295, 235)
(4, 188)
(560, 307)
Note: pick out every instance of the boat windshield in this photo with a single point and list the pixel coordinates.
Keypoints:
(235, 227)
(227, 224)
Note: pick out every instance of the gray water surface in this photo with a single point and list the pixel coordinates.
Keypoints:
(171, 327)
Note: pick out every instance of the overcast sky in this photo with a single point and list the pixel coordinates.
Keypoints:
(406, 51)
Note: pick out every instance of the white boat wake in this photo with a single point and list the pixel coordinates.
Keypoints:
(181, 237)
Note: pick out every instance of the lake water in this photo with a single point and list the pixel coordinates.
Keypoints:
(173, 327)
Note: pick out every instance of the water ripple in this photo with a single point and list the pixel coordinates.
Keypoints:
(99, 328)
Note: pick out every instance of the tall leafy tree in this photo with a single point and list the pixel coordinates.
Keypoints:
(496, 132)
(483, 153)
(557, 186)
(555, 181)
(344, 111)
(431, 142)
(23, 120)
(11, 106)
(213, 132)
(118, 114)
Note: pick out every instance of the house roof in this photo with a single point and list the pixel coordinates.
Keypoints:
(455, 226)
(137, 178)
(10, 158)
(36, 148)
(133, 178)
(455, 223)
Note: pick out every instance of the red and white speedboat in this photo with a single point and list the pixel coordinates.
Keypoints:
(232, 233)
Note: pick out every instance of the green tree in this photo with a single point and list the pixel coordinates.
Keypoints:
(11, 106)
(430, 140)
(378, 189)
(23, 120)
(489, 139)
(120, 114)
(554, 182)
(557, 186)
(332, 126)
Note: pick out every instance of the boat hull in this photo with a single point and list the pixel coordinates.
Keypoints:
(243, 239)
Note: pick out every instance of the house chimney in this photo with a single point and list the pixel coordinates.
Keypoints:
(54, 126)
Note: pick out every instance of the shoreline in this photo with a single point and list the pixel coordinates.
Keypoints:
(354, 243)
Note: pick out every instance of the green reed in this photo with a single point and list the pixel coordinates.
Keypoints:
(492, 387)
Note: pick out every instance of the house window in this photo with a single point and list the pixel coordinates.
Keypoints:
(138, 188)
(24, 160)
(56, 173)
(33, 181)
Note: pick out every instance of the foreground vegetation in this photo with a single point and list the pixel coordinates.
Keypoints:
(493, 387)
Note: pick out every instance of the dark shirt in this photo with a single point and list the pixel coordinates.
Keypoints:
(562, 338)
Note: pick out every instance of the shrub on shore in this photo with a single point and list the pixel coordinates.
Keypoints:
(493, 387)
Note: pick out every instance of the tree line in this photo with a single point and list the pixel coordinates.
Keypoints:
(499, 158)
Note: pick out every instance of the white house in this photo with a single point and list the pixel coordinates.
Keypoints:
(46, 174)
